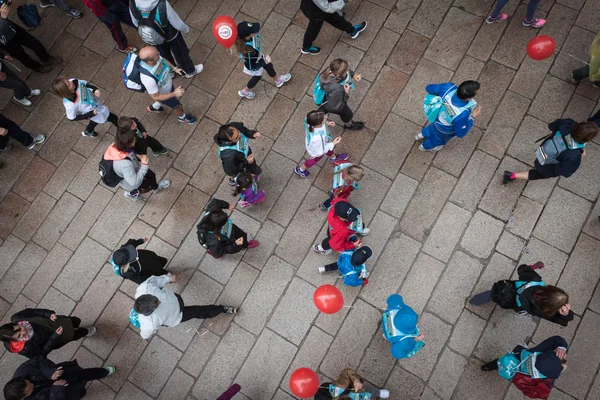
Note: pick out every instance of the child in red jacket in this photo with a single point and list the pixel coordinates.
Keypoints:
(340, 237)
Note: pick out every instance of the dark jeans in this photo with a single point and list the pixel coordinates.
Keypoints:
(24, 39)
(199, 312)
(60, 4)
(325, 242)
(255, 79)
(583, 73)
(533, 5)
(15, 83)
(112, 118)
(117, 13)
(314, 27)
(327, 203)
(237, 233)
(149, 183)
(79, 332)
(254, 168)
(345, 113)
(15, 132)
(142, 144)
(177, 52)
(331, 267)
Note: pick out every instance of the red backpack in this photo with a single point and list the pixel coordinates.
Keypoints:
(533, 388)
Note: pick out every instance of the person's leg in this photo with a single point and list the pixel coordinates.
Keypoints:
(27, 40)
(15, 132)
(182, 54)
(490, 366)
(111, 20)
(85, 375)
(165, 51)
(148, 183)
(339, 22)
(14, 48)
(311, 33)
(499, 6)
(434, 139)
(13, 81)
(580, 74)
(531, 7)
(254, 168)
(346, 114)
(113, 119)
(310, 163)
(252, 82)
(331, 267)
(154, 144)
(124, 14)
(270, 68)
(201, 312)
(531, 175)
(91, 126)
(481, 298)
(327, 203)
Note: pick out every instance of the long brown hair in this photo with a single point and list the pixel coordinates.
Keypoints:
(61, 89)
(584, 132)
(240, 46)
(550, 299)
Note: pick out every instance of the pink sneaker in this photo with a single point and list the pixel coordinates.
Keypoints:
(252, 244)
(535, 23)
(500, 18)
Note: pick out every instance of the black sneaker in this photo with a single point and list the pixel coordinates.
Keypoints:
(230, 310)
(89, 134)
(355, 125)
(490, 366)
(358, 29)
(314, 50)
(162, 151)
(506, 177)
(151, 109)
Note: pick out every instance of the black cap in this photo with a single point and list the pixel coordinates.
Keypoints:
(345, 210)
(245, 28)
(361, 255)
(125, 255)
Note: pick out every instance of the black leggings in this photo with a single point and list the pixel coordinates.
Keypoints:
(534, 175)
(325, 242)
(79, 332)
(84, 375)
(199, 312)
(255, 79)
(149, 183)
(345, 113)
(112, 118)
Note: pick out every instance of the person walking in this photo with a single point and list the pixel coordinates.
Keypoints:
(248, 47)
(158, 82)
(112, 13)
(159, 25)
(399, 324)
(10, 80)
(345, 180)
(36, 332)
(350, 386)
(560, 153)
(590, 71)
(318, 142)
(136, 177)
(81, 100)
(42, 379)
(235, 152)
(330, 11)
(9, 129)
(62, 6)
(246, 187)
(335, 83)
(351, 266)
(456, 114)
(13, 38)
(159, 307)
(218, 234)
(142, 139)
(530, 19)
(529, 295)
(137, 265)
(340, 235)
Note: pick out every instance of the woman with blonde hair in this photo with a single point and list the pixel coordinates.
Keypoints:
(337, 82)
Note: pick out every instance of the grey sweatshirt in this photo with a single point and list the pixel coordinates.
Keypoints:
(330, 7)
(172, 16)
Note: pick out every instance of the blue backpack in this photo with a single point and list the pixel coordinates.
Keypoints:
(28, 14)
(318, 92)
(132, 71)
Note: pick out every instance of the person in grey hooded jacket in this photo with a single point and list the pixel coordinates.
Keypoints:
(337, 82)
(137, 177)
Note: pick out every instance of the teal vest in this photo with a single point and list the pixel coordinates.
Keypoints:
(338, 180)
(226, 229)
(321, 131)
(86, 95)
(449, 112)
(242, 146)
(335, 391)
(527, 365)
(521, 286)
(160, 72)
(254, 42)
(390, 331)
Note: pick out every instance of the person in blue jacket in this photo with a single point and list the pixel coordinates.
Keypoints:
(455, 117)
(400, 328)
(351, 265)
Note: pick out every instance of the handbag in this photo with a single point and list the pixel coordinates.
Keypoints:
(533, 388)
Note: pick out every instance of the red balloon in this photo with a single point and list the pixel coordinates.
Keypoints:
(541, 47)
(328, 299)
(304, 383)
(225, 30)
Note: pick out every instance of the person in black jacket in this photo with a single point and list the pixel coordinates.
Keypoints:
(575, 135)
(318, 11)
(41, 379)
(138, 265)
(218, 235)
(9, 129)
(550, 361)
(142, 139)
(36, 332)
(234, 150)
(529, 295)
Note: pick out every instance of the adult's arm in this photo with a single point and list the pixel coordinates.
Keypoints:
(551, 344)
(31, 312)
(175, 21)
(132, 177)
(462, 124)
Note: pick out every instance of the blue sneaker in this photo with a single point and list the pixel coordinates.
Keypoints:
(358, 29)
(188, 119)
(302, 174)
(314, 50)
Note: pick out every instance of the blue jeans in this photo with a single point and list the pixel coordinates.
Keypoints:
(533, 5)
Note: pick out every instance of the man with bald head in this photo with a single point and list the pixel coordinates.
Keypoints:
(158, 81)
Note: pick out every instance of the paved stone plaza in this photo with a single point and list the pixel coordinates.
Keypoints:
(443, 226)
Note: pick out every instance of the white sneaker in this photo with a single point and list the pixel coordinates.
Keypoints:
(91, 331)
(384, 394)
(319, 249)
(37, 140)
(283, 79)
(162, 185)
(198, 68)
(111, 369)
(364, 232)
(419, 136)
(22, 101)
(247, 94)
(134, 197)
(322, 270)
(436, 148)
(34, 92)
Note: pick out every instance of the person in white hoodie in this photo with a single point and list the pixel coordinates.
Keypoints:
(159, 25)
(159, 307)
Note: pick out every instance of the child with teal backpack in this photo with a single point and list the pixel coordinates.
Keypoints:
(247, 45)
(399, 325)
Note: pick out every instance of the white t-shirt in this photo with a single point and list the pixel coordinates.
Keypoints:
(163, 83)
(85, 102)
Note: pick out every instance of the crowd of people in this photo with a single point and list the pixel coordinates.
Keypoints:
(450, 108)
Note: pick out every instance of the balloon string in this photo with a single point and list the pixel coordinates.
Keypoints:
(578, 59)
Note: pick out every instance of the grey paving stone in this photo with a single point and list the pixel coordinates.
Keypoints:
(9, 251)
(447, 232)
(98, 295)
(511, 49)
(548, 329)
(377, 54)
(548, 110)
(456, 153)
(454, 286)
(399, 195)
(90, 254)
(157, 207)
(125, 355)
(510, 245)
(408, 104)
(404, 385)
(15, 279)
(99, 391)
(494, 79)
(585, 183)
(524, 145)
(579, 376)
(408, 51)
(420, 281)
(58, 302)
(554, 259)
(131, 392)
(199, 352)
(155, 366)
(469, 69)
(585, 20)
(401, 16)
(577, 45)
(484, 43)
(33, 217)
(562, 202)
(474, 180)
(591, 227)
(177, 387)
(504, 124)
(530, 76)
(540, 189)
(87, 179)
(447, 373)
(381, 228)
(424, 206)
(45, 274)
(222, 368)
(352, 339)
(429, 16)
(500, 199)
(466, 333)
(377, 363)
(64, 174)
(308, 269)
(271, 354)
(331, 323)
(264, 295)
(595, 390)
(499, 267)
(524, 217)
(436, 334)
(453, 38)
(475, 384)
(57, 221)
(482, 234)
